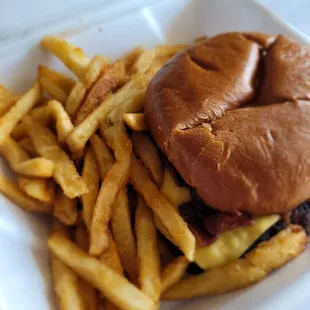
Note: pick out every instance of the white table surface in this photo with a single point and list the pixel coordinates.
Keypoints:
(19, 16)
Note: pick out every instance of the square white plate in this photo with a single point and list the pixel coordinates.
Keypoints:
(24, 271)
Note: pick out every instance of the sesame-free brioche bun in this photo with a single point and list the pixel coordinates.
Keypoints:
(232, 114)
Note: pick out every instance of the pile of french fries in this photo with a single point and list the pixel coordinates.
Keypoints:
(80, 151)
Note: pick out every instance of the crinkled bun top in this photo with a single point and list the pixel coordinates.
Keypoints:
(232, 114)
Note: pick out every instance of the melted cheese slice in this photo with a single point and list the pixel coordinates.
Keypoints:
(232, 244)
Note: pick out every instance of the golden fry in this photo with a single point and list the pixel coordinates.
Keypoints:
(143, 61)
(27, 145)
(15, 194)
(75, 98)
(12, 152)
(57, 85)
(173, 272)
(7, 100)
(113, 286)
(135, 121)
(80, 135)
(169, 216)
(104, 157)
(19, 131)
(40, 189)
(146, 150)
(72, 57)
(269, 255)
(66, 283)
(65, 172)
(91, 177)
(111, 76)
(131, 57)
(63, 122)
(9, 120)
(65, 209)
(113, 182)
(123, 234)
(35, 167)
(168, 50)
(89, 294)
(148, 254)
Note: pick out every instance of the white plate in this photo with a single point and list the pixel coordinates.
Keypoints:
(24, 271)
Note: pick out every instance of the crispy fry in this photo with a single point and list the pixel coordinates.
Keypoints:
(80, 135)
(91, 176)
(94, 69)
(113, 182)
(66, 282)
(269, 255)
(65, 172)
(123, 234)
(89, 294)
(57, 85)
(39, 189)
(65, 209)
(133, 104)
(42, 115)
(172, 220)
(72, 57)
(111, 76)
(15, 194)
(27, 145)
(135, 121)
(63, 122)
(114, 287)
(148, 254)
(9, 120)
(7, 100)
(19, 131)
(143, 61)
(168, 50)
(75, 98)
(173, 272)
(35, 167)
(131, 57)
(12, 152)
(104, 157)
(146, 150)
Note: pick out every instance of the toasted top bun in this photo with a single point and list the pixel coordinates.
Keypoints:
(232, 114)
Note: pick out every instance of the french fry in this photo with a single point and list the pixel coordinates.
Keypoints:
(113, 286)
(173, 272)
(9, 120)
(7, 100)
(12, 152)
(146, 150)
(80, 134)
(19, 131)
(175, 193)
(39, 189)
(94, 69)
(35, 167)
(123, 234)
(148, 254)
(75, 98)
(66, 283)
(111, 76)
(104, 157)
(133, 104)
(65, 209)
(131, 57)
(135, 121)
(268, 256)
(168, 50)
(91, 177)
(65, 173)
(27, 145)
(63, 122)
(143, 61)
(169, 216)
(56, 84)
(15, 194)
(89, 294)
(113, 182)
(71, 56)
(42, 115)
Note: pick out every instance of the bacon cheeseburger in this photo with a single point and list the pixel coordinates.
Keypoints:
(232, 114)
